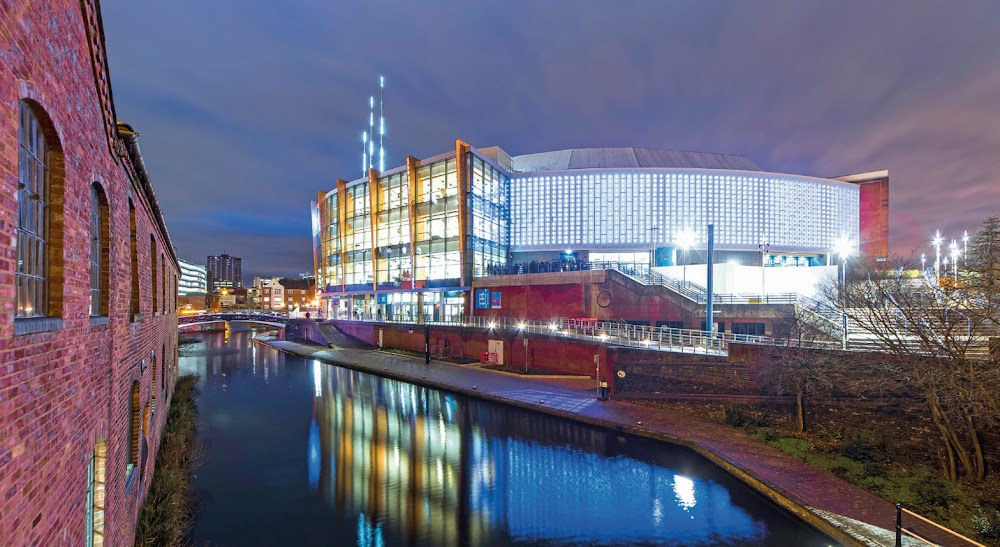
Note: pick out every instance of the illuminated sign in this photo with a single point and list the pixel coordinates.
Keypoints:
(482, 299)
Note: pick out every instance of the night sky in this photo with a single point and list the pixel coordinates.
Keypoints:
(247, 107)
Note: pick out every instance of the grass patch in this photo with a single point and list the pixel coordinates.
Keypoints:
(169, 511)
(869, 464)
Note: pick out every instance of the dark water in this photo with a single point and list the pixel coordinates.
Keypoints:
(302, 453)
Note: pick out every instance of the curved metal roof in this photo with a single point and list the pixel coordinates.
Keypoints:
(630, 157)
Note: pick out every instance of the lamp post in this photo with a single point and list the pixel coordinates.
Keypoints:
(937, 261)
(653, 232)
(764, 247)
(923, 264)
(954, 263)
(844, 248)
(965, 252)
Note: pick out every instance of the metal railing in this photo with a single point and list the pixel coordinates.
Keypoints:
(241, 315)
(605, 332)
(900, 531)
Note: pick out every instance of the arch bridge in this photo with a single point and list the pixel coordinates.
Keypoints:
(232, 317)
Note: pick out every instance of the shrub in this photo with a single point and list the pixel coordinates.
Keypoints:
(861, 450)
(739, 417)
(168, 513)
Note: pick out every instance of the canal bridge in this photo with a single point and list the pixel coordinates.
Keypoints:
(258, 318)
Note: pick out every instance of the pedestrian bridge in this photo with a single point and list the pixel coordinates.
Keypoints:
(232, 317)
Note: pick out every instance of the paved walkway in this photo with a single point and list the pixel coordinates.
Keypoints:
(845, 512)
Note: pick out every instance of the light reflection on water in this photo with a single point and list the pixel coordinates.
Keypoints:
(302, 453)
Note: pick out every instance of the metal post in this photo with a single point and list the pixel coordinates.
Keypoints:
(597, 365)
(899, 525)
(427, 344)
(843, 300)
(525, 353)
(709, 313)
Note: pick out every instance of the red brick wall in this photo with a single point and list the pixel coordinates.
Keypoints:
(547, 353)
(874, 218)
(61, 391)
(608, 296)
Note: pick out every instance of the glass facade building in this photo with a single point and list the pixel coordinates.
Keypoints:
(407, 242)
(193, 279)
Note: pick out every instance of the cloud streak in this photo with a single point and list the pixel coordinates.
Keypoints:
(246, 108)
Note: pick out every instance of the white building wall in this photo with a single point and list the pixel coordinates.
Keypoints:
(747, 280)
(646, 208)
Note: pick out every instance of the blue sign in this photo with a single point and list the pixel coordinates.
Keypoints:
(495, 301)
(383, 298)
(482, 299)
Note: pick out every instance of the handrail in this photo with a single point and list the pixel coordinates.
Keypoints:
(228, 316)
(900, 530)
(607, 332)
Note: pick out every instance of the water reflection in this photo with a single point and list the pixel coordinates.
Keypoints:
(389, 463)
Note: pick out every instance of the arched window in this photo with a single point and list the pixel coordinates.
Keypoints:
(163, 373)
(133, 429)
(152, 271)
(96, 480)
(134, 252)
(39, 220)
(100, 251)
(163, 284)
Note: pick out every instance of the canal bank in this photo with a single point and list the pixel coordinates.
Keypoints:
(844, 512)
(304, 453)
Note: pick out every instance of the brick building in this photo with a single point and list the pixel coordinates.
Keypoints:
(286, 293)
(88, 284)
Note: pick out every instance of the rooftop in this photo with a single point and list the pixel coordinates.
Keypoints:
(634, 157)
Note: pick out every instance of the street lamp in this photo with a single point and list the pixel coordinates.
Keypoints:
(685, 240)
(965, 252)
(843, 247)
(923, 264)
(764, 247)
(954, 262)
(936, 242)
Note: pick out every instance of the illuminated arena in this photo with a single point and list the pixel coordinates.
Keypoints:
(416, 236)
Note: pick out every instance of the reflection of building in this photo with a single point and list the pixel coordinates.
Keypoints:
(410, 240)
(224, 272)
(433, 469)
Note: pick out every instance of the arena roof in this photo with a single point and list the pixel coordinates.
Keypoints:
(605, 158)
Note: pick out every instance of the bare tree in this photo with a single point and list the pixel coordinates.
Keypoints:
(939, 339)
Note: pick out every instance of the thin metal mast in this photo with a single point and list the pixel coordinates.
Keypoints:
(381, 124)
(371, 130)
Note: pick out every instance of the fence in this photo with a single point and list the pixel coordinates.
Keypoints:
(604, 332)
(900, 531)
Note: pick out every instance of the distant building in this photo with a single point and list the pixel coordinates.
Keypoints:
(299, 293)
(224, 272)
(194, 278)
(283, 293)
(269, 292)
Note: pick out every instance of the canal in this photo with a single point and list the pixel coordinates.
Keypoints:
(303, 453)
